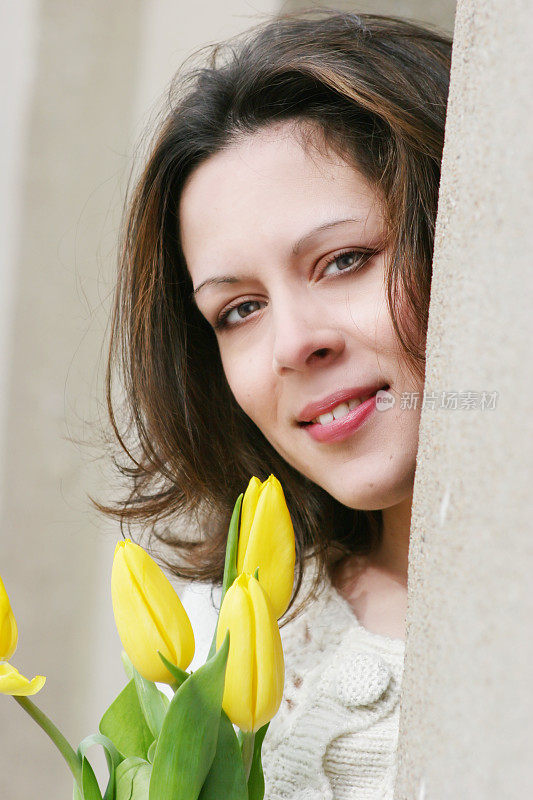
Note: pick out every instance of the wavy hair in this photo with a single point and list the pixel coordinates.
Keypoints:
(376, 89)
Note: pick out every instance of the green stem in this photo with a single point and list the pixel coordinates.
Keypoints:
(247, 752)
(55, 735)
(230, 563)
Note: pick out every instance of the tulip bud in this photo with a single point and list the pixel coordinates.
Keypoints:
(8, 626)
(266, 540)
(255, 668)
(148, 614)
(13, 683)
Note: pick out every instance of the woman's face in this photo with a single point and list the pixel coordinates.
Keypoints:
(284, 247)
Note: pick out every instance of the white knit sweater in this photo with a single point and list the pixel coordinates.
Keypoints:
(335, 735)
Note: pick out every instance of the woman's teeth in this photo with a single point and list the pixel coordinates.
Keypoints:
(339, 411)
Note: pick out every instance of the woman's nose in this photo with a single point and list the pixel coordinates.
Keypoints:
(304, 340)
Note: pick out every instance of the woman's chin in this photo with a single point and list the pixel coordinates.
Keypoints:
(371, 495)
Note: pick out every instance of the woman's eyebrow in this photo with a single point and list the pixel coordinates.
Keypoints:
(216, 280)
(304, 240)
(325, 226)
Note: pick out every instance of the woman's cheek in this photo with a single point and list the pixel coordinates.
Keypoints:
(247, 378)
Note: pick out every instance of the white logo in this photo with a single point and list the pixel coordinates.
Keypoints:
(384, 400)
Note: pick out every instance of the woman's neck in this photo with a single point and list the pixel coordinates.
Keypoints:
(393, 553)
(375, 586)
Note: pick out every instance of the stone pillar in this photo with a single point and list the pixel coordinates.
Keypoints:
(467, 705)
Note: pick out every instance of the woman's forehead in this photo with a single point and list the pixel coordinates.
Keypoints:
(269, 185)
(276, 153)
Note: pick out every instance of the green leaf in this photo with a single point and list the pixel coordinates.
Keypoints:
(188, 739)
(133, 779)
(76, 794)
(232, 545)
(125, 725)
(126, 663)
(91, 790)
(226, 777)
(179, 674)
(230, 564)
(256, 780)
(151, 702)
(151, 751)
(112, 755)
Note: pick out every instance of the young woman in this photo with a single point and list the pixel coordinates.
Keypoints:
(270, 317)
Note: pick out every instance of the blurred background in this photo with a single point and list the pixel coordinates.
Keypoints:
(82, 81)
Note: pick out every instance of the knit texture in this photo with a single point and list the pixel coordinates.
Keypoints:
(335, 734)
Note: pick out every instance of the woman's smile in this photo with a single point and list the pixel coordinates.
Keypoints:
(339, 419)
(286, 248)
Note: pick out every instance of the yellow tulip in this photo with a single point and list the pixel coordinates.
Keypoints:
(148, 614)
(13, 683)
(255, 669)
(266, 540)
(8, 626)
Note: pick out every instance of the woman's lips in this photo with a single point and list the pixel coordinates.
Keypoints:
(341, 428)
(313, 410)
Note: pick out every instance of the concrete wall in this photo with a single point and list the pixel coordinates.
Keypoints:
(467, 704)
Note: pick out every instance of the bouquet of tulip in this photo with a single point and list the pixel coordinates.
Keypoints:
(186, 748)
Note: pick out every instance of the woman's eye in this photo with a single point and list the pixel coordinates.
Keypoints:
(231, 316)
(350, 260)
(344, 261)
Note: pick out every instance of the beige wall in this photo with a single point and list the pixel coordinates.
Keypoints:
(72, 144)
(435, 12)
(82, 79)
(467, 703)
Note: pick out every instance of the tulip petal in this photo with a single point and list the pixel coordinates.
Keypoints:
(13, 683)
(8, 626)
(138, 631)
(165, 606)
(149, 614)
(271, 546)
(236, 615)
(270, 669)
(249, 504)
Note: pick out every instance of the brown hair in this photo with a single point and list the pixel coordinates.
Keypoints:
(376, 88)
